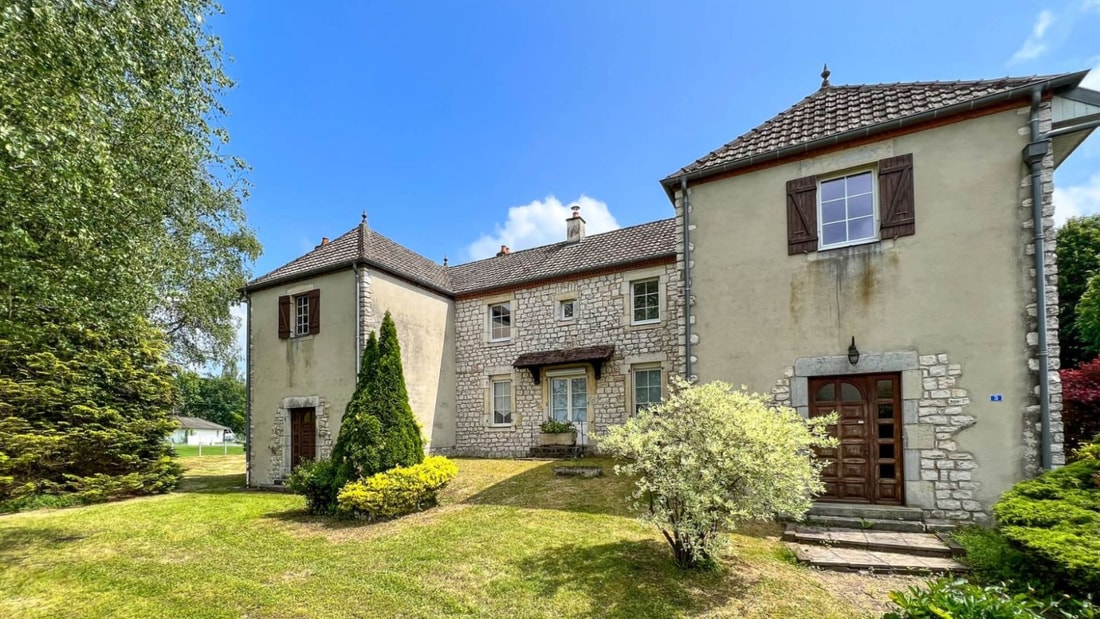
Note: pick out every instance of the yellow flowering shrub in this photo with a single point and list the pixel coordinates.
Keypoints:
(398, 491)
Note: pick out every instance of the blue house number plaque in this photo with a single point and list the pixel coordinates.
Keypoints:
(996, 397)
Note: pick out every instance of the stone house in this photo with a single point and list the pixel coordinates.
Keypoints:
(884, 243)
(871, 250)
(584, 330)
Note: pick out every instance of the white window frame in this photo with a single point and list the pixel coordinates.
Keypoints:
(561, 309)
(821, 245)
(634, 383)
(511, 322)
(301, 318)
(511, 412)
(569, 375)
(634, 296)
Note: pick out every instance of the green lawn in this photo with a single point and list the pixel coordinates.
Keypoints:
(509, 540)
(188, 451)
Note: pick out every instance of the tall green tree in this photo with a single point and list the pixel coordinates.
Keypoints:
(1078, 252)
(389, 402)
(122, 237)
(357, 452)
(220, 399)
(117, 198)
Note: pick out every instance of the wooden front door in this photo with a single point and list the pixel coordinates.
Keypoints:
(303, 435)
(866, 466)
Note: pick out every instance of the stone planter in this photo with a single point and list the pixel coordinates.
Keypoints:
(557, 438)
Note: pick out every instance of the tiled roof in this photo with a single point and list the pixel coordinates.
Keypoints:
(625, 245)
(633, 244)
(366, 246)
(195, 423)
(835, 110)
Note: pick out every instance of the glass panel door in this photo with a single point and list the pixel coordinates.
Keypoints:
(569, 402)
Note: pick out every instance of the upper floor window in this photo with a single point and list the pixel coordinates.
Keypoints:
(645, 301)
(500, 321)
(851, 209)
(301, 314)
(847, 210)
(567, 309)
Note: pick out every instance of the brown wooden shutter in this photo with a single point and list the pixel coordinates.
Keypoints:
(284, 317)
(314, 311)
(802, 215)
(895, 194)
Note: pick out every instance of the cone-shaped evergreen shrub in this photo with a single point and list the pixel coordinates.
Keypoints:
(378, 430)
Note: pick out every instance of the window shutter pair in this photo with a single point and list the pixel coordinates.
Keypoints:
(895, 202)
(286, 302)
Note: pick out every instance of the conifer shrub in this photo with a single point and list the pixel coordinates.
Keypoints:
(316, 481)
(398, 491)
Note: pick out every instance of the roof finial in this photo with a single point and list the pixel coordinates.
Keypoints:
(444, 259)
(825, 76)
(364, 222)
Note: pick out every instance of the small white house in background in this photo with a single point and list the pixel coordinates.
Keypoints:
(195, 431)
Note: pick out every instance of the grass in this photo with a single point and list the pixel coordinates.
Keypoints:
(508, 540)
(190, 451)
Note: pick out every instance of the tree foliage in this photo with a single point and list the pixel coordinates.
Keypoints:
(89, 417)
(1078, 252)
(1081, 401)
(220, 399)
(710, 457)
(116, 198)
(378, 430)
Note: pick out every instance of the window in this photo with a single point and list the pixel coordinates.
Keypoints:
(645, 301)
(569, 398)
(301, 315)
(647, 387)
(567, 309)
(502, 402)
(847, 210)
(500, 322)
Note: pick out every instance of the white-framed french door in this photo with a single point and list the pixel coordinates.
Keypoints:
(569, 400)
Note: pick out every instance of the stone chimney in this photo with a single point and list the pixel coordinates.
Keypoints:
(574, 225)
(324, 241)
(504, 251)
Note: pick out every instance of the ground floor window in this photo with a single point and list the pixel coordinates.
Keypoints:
(502, 402)
(647, 387)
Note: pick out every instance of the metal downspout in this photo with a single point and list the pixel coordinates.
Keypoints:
(358, 326)
(248, 390)
(686, 203)
(1034, 154)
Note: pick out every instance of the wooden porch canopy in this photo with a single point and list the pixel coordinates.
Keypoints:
(535, 361)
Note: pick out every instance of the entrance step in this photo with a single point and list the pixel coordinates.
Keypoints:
(918, 544)
(866, 524)
(877, 512)
(856, 560)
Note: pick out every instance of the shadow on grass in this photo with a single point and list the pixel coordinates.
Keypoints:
(233, 482)
(540, 488)
(630, 579)
(18, 544)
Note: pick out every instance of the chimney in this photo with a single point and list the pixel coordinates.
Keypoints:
(504, 251)
(324, 241)
(574, 226)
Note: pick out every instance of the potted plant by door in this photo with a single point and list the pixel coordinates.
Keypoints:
(557, 433)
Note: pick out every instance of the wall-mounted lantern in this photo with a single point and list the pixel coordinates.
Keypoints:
(853, 352)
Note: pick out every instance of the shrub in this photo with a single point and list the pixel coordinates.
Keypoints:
(957, 599)
(552, 426)
(1055, 518)
(315, 480)
(399, 491)
(1081, 396)
(709, 457)
(994, 560)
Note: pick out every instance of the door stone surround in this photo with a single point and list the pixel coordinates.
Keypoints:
(280, 435)
(938, 476)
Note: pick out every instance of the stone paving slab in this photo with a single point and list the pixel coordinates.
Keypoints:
(853, 559)
(869, 539)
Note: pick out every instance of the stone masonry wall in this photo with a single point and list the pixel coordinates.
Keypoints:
(602, 303)
(1031, 415)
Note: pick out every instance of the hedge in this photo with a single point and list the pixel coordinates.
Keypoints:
(398, 491)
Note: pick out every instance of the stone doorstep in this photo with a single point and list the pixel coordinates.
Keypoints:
(854, 560)
(862, 524)
(918, 544)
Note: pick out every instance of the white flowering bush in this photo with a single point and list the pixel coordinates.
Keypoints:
(710, 457)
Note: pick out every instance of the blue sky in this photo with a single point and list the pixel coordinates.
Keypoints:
(461, 125)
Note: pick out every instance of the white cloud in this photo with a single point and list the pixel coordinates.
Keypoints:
(1092, 80)
(1034, 46)
(540, 223)
(1091, 5)
(1077, 200)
